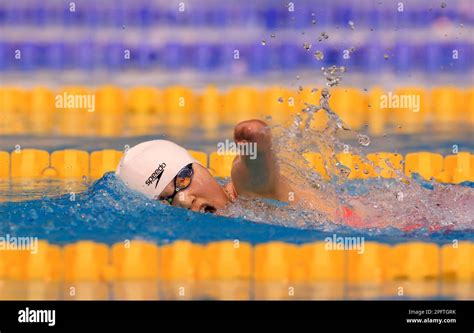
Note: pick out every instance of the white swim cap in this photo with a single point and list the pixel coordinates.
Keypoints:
(150, 166)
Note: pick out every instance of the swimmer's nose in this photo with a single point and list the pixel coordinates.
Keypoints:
(195, 204)
(184, 200)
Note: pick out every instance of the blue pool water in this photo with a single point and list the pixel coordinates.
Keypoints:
(109, 212)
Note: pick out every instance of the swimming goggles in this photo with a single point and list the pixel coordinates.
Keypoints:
(181, 181)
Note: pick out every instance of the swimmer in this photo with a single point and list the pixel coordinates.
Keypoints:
(163, 170)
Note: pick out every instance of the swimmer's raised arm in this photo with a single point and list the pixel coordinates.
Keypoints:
(261, 176)
(162, 170)
(258, 174)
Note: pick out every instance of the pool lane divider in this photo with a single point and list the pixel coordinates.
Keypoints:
(76, 164)
(139, 110)
(232, 260)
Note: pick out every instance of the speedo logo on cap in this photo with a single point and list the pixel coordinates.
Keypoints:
(156, 175)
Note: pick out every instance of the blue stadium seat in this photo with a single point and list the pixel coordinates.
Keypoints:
(173, 56)
(29, 56)
(433, 57)
(113, 53)
(55, 55)
(289, 56)
(405, 57)
(205, 56)
(372, 58)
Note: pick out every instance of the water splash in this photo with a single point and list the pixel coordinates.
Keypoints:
(402, 203)
(333, 74)
(109, 212)
(363, 140)
(319, 55)
(323, 36)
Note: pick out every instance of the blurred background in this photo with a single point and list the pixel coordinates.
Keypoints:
(190, 70)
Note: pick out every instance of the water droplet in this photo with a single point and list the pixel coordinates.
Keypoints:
(325, 93)
(313, 21)
(399, 196)
(264, 42)
(297, 77)
(323, 36)
(352, 50)
(363, 140)
(280, 99)
(300, 88)
(385, 56)
(123, 27)
(333, 75)
(272, 35)
(351, 25)
(324, 100)
(313, 91)
(319, 55)
(461, 25)
(344, 171)
(307, 46)
(443, 5)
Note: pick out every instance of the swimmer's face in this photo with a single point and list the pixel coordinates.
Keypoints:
(203, 195)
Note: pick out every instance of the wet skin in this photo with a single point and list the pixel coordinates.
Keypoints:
(204, 194)
(259, 177)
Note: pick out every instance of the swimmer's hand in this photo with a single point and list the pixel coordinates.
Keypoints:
(255, 170)
(259, 175)
(254, 131)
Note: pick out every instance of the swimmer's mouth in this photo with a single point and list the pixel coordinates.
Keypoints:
(205, 208)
